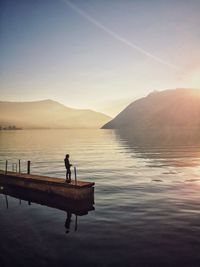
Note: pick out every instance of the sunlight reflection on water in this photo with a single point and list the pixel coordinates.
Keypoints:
(147, 200)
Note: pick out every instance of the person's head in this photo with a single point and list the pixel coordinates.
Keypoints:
(67, 156)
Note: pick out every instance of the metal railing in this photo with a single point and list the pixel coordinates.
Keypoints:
(16, 167)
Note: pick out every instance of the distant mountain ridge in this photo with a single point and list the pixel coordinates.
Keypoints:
(170, 109)
(48, 114)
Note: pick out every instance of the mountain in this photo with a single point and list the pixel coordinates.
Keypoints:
(171, 111)
(48, 114)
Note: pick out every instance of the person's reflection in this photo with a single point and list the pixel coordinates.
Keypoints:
(68, 221)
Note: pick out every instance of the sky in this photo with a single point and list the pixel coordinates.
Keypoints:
(97, 54)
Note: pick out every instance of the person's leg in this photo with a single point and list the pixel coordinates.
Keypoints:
(67, 176)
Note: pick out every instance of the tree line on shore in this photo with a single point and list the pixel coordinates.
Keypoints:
(9, 127)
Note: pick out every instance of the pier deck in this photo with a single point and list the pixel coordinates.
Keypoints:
(74, 190)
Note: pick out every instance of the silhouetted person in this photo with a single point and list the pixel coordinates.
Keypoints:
(68, 171)
(68, 221)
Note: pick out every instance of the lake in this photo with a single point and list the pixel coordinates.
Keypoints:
(146, 210)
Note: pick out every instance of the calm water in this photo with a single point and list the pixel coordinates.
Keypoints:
(147, 202)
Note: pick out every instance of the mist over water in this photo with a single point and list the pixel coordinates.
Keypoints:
(147, 201)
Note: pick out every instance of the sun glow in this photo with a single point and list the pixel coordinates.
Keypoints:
(193, 79)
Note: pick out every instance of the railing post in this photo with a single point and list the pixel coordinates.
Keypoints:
(28, 166)
(14, 167)
(6, 167)
(75, 175)
(19, 166)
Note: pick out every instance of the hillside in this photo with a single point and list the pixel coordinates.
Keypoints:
(48, 114)
(170, 110)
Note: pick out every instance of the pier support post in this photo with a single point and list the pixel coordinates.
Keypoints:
(28, 166)
(76, 224)
(6, 201)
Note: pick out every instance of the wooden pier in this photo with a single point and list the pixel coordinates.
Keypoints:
(76, 190)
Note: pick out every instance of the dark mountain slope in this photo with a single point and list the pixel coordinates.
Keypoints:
(170, 109)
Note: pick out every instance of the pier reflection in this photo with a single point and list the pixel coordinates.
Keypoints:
(71, 207)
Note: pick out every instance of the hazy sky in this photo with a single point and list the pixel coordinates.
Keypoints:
(97, 54)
